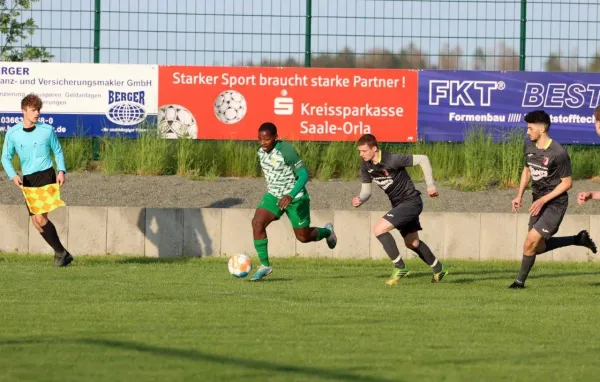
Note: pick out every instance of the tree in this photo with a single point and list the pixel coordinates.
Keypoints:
(553, 63)
(450, 57)
(479, 59)
(414, 58)
(508, 58)
(13, 31)
(594, 65)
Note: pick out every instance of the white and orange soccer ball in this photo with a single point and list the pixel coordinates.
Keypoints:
(239, 265)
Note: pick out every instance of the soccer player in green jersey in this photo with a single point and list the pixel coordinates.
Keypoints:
(286, 178)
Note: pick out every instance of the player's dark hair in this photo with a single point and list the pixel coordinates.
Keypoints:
(597, 113)
(31, 100)
(268, 127)
(369, 140)
(538, 116)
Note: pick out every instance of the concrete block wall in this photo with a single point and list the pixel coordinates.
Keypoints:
(173, 232)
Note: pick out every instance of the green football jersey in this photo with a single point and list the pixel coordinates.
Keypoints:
(279, 167)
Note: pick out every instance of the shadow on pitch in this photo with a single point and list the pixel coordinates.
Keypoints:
(171, 233)
(195, 355)
(154, 260)
(509, 276)
(518, 358)
(226, 203)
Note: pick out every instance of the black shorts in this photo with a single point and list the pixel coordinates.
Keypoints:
(39, 179)
(405, 216)
(547, 222)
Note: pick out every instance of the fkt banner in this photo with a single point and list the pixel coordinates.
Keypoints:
(308, 104)
(450, 102)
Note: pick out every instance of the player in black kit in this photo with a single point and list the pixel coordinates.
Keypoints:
(388, 171)
(549, 165)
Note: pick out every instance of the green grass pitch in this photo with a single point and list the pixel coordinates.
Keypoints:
(117, 318)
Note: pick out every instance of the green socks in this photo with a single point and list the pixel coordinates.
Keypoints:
(322, 233)
(261, 246)
(261, 249)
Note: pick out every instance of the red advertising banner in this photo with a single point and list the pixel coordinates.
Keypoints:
(306, 104)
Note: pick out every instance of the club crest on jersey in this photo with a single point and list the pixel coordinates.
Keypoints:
(385, 172)
(545, 161)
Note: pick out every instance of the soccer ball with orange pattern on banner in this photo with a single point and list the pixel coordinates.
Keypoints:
(44, 199)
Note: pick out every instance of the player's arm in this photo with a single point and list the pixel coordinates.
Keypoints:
(564, 186)
(57, 151)
(292, 159)
(525, 179)
(584, 196)
(8, 151)
(302, 174)
(399, 161)
(365, 187)
(425, 164)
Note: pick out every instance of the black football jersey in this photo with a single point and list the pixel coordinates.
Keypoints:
(547, 167)
(391, 176)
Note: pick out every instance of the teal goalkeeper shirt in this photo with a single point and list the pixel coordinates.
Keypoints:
(33, 147)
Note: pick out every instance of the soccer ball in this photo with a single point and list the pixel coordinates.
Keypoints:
(175, 122)
(230, 107)
(239, 265)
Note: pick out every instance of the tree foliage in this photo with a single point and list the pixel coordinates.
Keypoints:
(15, 30)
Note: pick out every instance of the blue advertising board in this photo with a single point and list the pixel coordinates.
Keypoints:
(451, 102)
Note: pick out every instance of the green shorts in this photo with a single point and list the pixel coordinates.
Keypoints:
(298, 211)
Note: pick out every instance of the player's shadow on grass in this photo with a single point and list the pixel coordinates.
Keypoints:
(195, 355)
(508, 276)
(226, 203)
(412, 275)
(171, 233)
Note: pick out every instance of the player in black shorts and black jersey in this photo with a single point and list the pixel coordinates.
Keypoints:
(388, 171)
(549, 165)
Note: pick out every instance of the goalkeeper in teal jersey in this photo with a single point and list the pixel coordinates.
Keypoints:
(286, 178)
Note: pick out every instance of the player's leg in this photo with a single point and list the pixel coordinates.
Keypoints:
(46, 228)
(533, 243)
(299, 214)
(541, 228)
(266, 213)
(551, 217)
(42, 223)
(381, 230)
(418, 246)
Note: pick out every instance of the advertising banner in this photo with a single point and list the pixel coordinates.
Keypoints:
(82, 99)
(452, 101)
(307, 104)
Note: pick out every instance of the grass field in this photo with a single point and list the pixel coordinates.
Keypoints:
(476, 164)
(108, 319)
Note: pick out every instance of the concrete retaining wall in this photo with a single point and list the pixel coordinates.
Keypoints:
(221, 232)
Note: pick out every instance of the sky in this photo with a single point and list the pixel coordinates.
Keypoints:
(230, 32)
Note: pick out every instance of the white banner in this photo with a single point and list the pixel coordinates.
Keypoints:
(82, 99)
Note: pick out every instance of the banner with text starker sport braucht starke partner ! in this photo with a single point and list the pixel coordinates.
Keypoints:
(308, 104)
